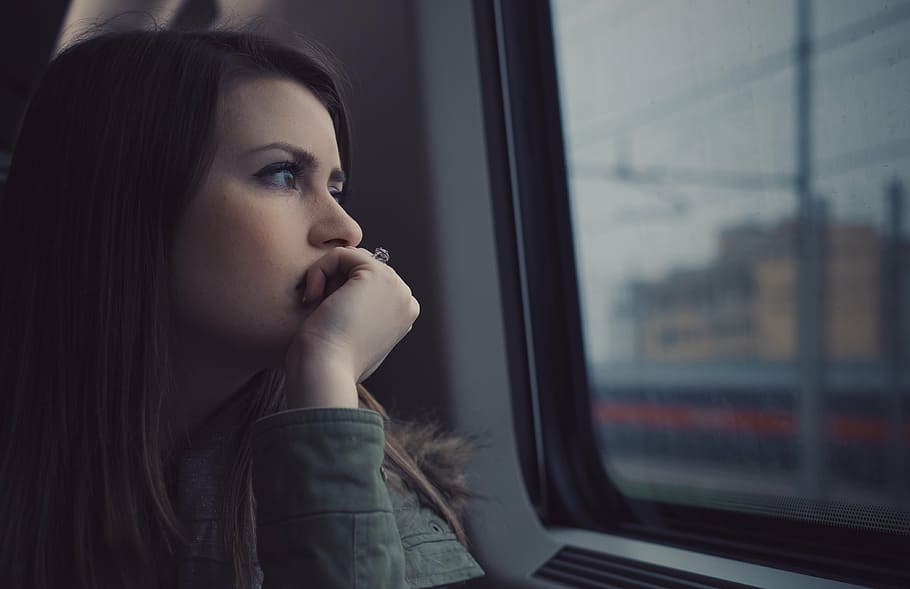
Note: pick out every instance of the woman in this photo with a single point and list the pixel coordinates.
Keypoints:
(186, 319)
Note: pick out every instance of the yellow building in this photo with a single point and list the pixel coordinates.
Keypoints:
(743, 306)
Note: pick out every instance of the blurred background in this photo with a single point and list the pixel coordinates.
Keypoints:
(738, 177)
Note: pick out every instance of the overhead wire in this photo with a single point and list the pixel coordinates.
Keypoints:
(746, 74)
(750, 182)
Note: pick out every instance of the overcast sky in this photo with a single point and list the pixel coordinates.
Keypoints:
(705, 87)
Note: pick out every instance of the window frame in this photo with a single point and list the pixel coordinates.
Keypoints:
(551, 404)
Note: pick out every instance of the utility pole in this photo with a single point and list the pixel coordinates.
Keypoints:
(810, 308)
(894, 322)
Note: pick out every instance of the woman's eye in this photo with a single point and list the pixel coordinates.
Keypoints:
(283, 175)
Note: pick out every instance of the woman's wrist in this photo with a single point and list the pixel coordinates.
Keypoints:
(322, 382)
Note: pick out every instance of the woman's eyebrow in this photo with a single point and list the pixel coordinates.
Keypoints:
(303, 157)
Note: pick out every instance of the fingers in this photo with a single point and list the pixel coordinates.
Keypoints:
(331, 270)
(339, 262)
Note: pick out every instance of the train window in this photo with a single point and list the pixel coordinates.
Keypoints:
(720, 192)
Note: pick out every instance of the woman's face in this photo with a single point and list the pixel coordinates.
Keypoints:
(266, 211)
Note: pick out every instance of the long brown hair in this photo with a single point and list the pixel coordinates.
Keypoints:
(114, 144)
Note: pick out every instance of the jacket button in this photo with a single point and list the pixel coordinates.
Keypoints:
(382, 472)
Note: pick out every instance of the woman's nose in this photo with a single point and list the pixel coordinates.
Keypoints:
(336, 228)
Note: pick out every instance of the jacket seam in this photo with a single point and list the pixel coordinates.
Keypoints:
(436, 575)
(354, 555)
(428, 541)
(318, 513)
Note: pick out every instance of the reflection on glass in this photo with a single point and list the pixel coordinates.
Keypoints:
(738, 176)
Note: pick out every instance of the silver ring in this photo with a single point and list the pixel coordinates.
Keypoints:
(381, 254)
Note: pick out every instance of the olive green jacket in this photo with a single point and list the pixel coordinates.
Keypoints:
(327, 516)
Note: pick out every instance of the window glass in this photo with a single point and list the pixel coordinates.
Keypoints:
(738, 176)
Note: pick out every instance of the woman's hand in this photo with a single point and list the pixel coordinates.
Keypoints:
(358, 310)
